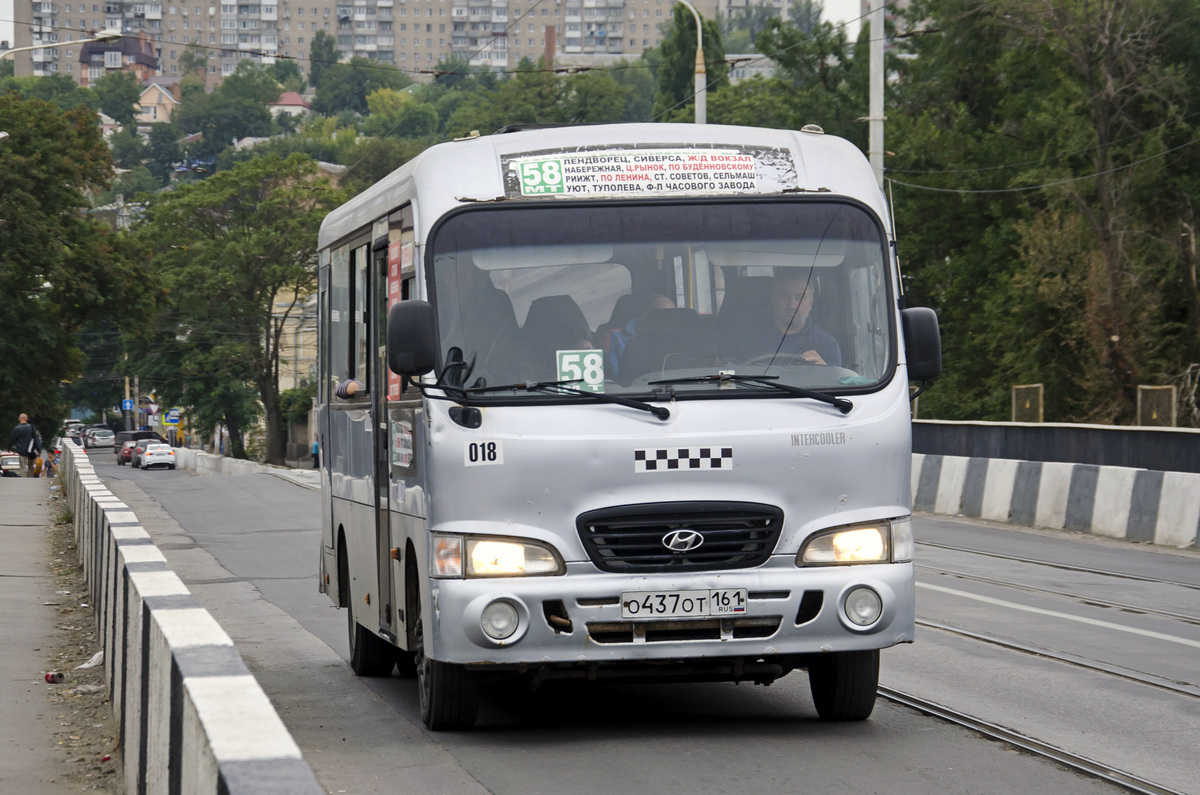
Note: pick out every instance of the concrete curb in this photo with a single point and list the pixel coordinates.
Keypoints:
(192, 718)
(1139, 505)
(208, 464)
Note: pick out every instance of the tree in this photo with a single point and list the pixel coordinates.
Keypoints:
(127, 147)
(222, 121)
(119, 94)
(163, 151)
(344, 87)
(59, 268)
(235, 250)
(251, 81)
(287, 73)
(741, 28)
(676, 71)
(322, 53)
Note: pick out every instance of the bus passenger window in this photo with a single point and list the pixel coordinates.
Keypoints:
(339, 316)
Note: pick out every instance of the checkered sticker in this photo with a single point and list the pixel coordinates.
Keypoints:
(685, 458)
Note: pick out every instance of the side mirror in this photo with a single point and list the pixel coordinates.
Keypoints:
(922, 343)
(411, 342)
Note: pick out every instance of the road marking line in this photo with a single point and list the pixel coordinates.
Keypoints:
(1081, 619)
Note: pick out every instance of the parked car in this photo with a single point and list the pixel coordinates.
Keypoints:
(98, 437)
(127, 436)
(10, 465)
(125, 454)
(157, 455)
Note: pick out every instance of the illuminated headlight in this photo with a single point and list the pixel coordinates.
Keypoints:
(492, 557)
(874, 542)
(499, 620)
(863, 607)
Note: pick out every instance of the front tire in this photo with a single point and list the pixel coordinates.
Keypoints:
(843, 684)
(449, 693)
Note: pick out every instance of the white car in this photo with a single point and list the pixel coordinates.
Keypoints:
(157, 455)
(99, 437)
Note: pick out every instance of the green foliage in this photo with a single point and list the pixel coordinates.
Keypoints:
(742, 27)
(134, 185)
(127, 147)
(253, 82)
(57, 88)
(322, 53)
(222, 120)
(163, 151)
(344, 87)
(287, 73)
(233, 251)
(297, 403)
(118, 94)
(59, 267)
(194, 58)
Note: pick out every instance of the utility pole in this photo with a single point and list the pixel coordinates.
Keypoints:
(137, 404)
(875, 109)
(700, 83)
(126, 412)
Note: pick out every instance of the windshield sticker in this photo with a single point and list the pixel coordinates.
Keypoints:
(688, 458)
(657, 171)
(584, 366)
(479, 454)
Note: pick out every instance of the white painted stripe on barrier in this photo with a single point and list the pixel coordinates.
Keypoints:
(119, 517)
(950, 485)
(157, 583)
(1095, 622)
(190, 626)
(1114, 491)
(239, 720)
(142, 553)
(125, 533)
(998, 489)
(1053, 489)
(917, 463)
(1178, 510)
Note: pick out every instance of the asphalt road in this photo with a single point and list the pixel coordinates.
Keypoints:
(248, 545)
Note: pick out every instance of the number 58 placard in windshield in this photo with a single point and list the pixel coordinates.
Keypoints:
(584, 366)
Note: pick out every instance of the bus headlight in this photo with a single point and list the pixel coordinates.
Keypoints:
(866, 543)
(487, 556)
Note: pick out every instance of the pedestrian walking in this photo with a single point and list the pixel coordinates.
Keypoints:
(316, 454)
(24, 441)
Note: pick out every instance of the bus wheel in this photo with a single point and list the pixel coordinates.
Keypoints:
(449, 695)
(843, 684)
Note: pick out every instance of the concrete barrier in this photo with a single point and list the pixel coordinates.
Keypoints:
(191, 717)
(1139, 505)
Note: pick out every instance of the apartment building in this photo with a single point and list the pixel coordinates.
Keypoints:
(413, 35)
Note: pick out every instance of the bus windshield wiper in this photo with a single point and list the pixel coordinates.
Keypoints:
(841, 404)
(565, 388)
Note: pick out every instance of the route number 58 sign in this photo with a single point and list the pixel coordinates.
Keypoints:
(585, 366)
(541, 176)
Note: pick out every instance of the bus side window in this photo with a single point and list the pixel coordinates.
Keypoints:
(361, 266)
(340, 321)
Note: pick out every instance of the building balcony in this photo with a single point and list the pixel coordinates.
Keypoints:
(270, 12)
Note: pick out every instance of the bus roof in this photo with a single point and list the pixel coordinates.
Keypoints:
(620, 161)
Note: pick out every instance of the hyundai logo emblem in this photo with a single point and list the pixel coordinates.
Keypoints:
(684, 540)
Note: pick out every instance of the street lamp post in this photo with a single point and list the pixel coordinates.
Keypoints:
(104, 35)
(701, 81)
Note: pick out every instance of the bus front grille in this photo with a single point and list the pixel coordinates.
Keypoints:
(680, 537)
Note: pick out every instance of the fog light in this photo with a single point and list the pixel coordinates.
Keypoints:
(499, 620)
(863, 606)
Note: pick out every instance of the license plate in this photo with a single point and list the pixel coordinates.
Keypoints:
(683, 604)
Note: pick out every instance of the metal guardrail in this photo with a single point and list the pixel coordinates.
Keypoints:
(1162, 449)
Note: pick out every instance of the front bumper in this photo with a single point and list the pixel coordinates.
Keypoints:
(576, 618)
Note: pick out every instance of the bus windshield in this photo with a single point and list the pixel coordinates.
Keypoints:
(613, 297)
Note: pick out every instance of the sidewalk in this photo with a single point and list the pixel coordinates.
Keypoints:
(30, 757)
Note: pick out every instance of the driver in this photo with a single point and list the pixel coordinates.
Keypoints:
(785, 329)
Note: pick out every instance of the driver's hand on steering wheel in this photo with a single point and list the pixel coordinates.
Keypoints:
(812, 357)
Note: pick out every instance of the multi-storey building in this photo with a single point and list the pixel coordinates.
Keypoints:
(413, 35)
